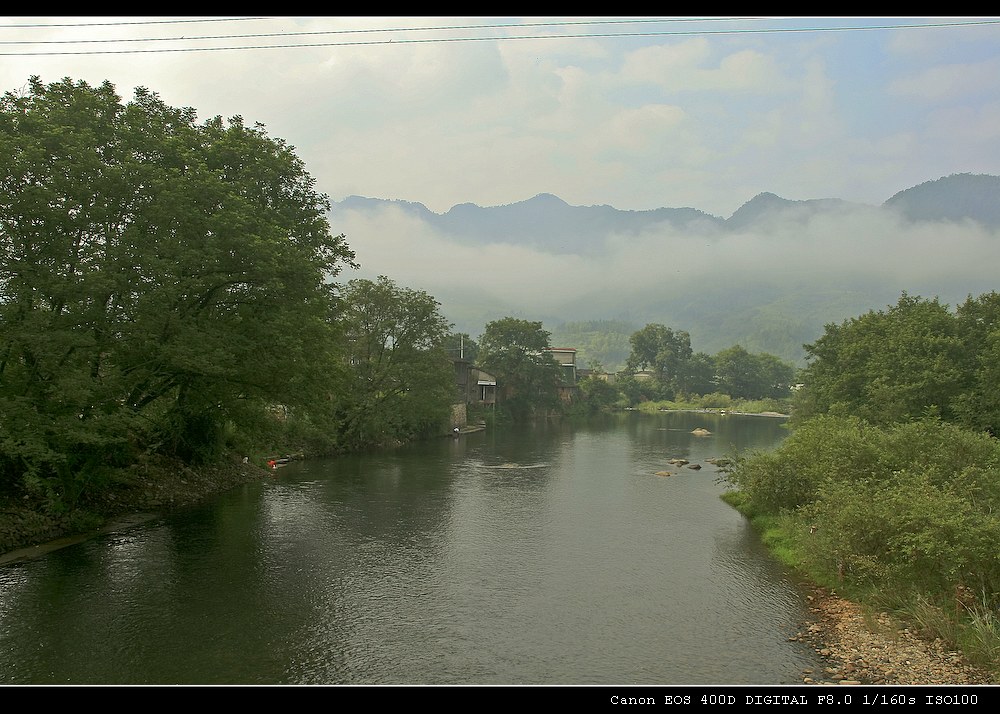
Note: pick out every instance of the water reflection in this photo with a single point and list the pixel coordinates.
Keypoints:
(552, 555)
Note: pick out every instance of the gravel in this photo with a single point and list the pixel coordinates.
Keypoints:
(878, 650)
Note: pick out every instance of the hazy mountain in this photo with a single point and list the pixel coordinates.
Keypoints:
(958, 197)
(545, 221)
(769, 277)
(765, 207)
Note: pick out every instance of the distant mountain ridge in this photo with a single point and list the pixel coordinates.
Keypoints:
(544, 221)
(769, 277)
(958, 197)
(548, 223)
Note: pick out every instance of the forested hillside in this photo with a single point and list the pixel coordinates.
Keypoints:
(599, 343)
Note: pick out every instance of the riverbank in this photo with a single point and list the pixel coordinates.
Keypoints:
(151, 487)
(871, 648)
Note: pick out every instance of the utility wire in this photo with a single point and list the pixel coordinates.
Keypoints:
(387, 29)
(665, 33)
(132, 22)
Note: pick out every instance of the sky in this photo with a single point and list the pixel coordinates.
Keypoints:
(634, 112)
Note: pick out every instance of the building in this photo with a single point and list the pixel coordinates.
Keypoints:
(565, 357)
(474, 385)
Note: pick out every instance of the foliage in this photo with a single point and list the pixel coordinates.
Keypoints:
(696, 375)
(978, 325)
(752, 376)
(639, 391)
(159, 279)
(716, 401)
(678, 373)
(404, 381)
(887, 366)
(661, 350)
(908, 509)
(596, 395)
(514, 350)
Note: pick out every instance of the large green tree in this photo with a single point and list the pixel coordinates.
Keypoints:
(514, 350)
(978, 324)
(697, 375)
(887, 366)
(666, 353)
(744, 375)
(160, 279)
(403, 381)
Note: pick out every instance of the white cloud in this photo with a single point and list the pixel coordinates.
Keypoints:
(952, 81)
(686, 67)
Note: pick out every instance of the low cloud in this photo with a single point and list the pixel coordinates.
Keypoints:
(850, 247)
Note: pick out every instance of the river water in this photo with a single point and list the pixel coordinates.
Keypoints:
(553, 554)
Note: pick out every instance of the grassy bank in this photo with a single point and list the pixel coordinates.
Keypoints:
(901, 520)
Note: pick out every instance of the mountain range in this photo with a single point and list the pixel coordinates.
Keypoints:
(768, 277)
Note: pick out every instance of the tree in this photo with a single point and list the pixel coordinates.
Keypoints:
(887, 366)
(743, 375)
(665, 352)
(597, 394)
(697, 375)
(404, 381)
(160, 281)
(514, 350)
(978, 324)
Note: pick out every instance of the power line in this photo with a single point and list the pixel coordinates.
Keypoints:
(665, 33)
(387, 29)
(131, 22)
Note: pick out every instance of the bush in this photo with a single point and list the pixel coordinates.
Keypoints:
(909, 510)
(820, 450)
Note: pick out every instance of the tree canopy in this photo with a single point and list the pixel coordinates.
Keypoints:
(752, 376)
(887, 365)
(514, 350)
(660, 349)
(158, 276)
(403, 380)
(677, 369)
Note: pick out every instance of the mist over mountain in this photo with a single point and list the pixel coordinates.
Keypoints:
(769, 277)
(545, 222)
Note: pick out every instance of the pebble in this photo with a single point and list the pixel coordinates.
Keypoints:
(886, 654)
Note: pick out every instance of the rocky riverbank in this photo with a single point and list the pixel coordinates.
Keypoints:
(862, 649)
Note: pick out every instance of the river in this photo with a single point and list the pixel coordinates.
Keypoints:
(553, 554)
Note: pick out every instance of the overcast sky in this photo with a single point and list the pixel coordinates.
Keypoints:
(637, 113)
